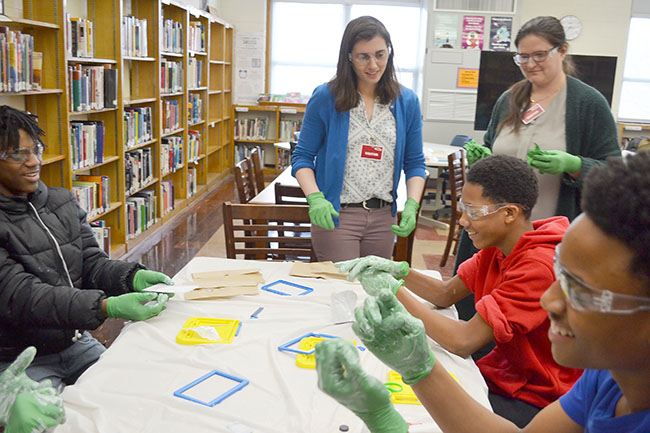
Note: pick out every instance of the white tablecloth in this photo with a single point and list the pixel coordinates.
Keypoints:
(130, 389)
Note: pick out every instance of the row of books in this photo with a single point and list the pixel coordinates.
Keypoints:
(140, 213)
(171, 76)
(251, 128)
(93, 193)
(193, 146)
(102, 234)
(191, 181)
(167, 197)
(242, 152)
(80, 37)
(138, 126)
(194, 108)
(134, 37)
(288, 128)
(197, 37)
(87, 143)
(138, 167)
(171, 154)
(194, 73)
(20, 65)
(172, 36)
(92, 87)
(171, 115)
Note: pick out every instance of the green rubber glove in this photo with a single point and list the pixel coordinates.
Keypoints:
(321, 210)
(356, 267)
(409, 215)
(394, 336)
(340, 376)
(556, 162)
(34, 411)
(14, 380)
(532, 153)
(475, 152)
(374, 281)
(143, 279)
(130, 306)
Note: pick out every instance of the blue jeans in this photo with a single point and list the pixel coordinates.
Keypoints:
(65, 367)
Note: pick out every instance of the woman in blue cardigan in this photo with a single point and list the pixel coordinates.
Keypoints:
(360, 131)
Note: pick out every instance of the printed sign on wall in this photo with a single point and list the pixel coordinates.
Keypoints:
(446, 31)
(473, 29)
(500, 33)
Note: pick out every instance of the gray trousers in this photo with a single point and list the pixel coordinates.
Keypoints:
(360, 233)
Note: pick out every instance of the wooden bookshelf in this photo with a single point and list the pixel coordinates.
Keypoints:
(138, 85)
(274, 114)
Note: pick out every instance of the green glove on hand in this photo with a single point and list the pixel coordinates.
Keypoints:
(340, 376)
(143, 279)
(394, 336)
(555, 162)
(14, 380)
(475, 152)
(321, 210)
(34, 411)
(409, 215)
(374, 281)
(372, 263)
(130, 306)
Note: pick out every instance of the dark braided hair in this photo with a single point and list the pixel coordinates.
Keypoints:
(11, 120)
(625, 213)
(506, 179)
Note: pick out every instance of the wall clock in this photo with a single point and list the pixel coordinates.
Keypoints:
(572, 26)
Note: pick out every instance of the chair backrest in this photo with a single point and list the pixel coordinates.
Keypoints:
(295, 194)
(256, 158)
(456, 167)
(403, 250)
(245, 180)
(267, 237)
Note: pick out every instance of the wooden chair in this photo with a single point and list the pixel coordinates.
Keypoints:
(262, 239)
(245, 180)
(293, 192)
(456, 163)
(403, 250)
(258, 172)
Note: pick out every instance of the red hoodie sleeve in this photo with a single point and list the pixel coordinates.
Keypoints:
(513, 305)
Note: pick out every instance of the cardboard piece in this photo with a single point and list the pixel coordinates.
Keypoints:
(316, 270)
(220, 292)
(223, 284)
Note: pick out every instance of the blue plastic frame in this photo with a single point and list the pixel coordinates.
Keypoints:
(267, 287)
(285, 347)
(242, 383)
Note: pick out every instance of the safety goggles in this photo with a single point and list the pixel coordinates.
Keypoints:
(362, 59)
(22, 154)
(476, 212)
(537, 57)
(583, 297)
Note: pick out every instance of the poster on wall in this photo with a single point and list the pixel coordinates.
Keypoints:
(446, 31)
(473, 29)
(249, 66)
(500, 33)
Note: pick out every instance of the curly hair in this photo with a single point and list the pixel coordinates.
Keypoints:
(506, 179)
(11, 120)
(616, 197)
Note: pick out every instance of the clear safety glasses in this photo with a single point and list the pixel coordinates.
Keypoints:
(22, 154)
(476, 212)
(362, 59)
(537, 56)
(583, 297)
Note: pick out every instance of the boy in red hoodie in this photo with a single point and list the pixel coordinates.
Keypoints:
(507, 277)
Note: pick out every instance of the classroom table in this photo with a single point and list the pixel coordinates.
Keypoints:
(131, 388)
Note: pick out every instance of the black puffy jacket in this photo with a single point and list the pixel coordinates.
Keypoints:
(38, 306)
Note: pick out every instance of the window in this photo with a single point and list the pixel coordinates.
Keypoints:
(634, 105)
(304, 50)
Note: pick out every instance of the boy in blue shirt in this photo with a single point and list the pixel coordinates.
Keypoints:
(599, 309)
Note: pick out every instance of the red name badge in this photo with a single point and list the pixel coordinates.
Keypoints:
(372, 152)
(532, 113)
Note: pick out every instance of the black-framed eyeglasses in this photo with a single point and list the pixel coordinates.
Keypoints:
(537, 56)
(583, 297)
(22, 154)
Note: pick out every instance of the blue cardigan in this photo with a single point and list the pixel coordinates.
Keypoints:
(323, 142)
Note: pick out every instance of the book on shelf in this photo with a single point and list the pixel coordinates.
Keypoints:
(87, 143)
(191, 181)
(171, 154)
(102, 234)
(82, 37)
(171, 76)
(138, 166)
(87, 195)
(17, 61)
(102, 189)
(167, 196)
(140, 212)
(172, 36)
(194, 108)
(110, 87)
(137, 126)
(171, 115)
(194, 71)
(251, 128)
(92, 87)
(193, 145)
(288, 127)
(197, 39)
(134, 37)
(242, 152)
